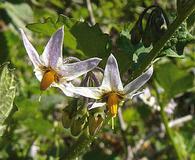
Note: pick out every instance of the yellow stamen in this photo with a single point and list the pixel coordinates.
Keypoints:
(113, 101)
(112, 122)
(48, 78)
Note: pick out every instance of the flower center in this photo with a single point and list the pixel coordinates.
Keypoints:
(49, 77)
(113, 100)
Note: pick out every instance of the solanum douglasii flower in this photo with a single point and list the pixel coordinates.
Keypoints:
(49, 67)
(111, 91)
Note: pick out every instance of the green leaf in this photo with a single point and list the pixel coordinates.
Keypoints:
(173, 80)
(171, 53)
(87, 40)
(47, 27)
(129, 55)
(20, 14)
(7, 94)
(180, 142)
(90, 40)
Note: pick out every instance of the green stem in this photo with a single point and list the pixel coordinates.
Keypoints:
(188, 8)
(166, 125)
(79, 147)
(170, 133)
(82, 144)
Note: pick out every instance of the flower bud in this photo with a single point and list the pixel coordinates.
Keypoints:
(66, 119)
(77, 125)
(95, 122)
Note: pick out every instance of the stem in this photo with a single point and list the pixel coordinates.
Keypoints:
(168, 130)
(90, 10)
(170, 133)
(80, 146)
(188, 8)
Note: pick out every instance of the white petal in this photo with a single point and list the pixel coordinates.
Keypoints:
(112, 80)
(32, 53)
(90, 92)
(74, 70)
(38, 74)
(133, 86)
(64, 89)
(53, 50)
(97, 105)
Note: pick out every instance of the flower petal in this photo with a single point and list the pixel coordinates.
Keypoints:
(53, 50)
(74, 70)
(133, 86)
(112, 80)
(97, 105)
(64, 89)
(38, 73)
(90, 92)
(32, 53)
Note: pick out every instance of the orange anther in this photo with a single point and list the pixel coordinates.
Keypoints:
(113, 101)
(47, 80)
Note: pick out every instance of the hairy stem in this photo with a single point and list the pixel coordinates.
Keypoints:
(188, 8)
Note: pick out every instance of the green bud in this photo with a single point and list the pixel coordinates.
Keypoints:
(66, 119)
(95, 122)
(77, 125)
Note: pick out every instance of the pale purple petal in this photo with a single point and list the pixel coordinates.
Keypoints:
(133, 86)
(112, 80)
(90, 92)
(64, 89)
(53, 50)
(74, 70)
(32, 53)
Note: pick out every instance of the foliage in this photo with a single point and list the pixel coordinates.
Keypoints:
(51, 127)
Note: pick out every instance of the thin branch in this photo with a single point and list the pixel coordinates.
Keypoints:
(90, 10)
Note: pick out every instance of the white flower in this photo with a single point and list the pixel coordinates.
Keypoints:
(49, 67)
(111, 90)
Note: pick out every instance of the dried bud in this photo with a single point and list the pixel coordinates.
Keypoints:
(147, 35)
(135, 34)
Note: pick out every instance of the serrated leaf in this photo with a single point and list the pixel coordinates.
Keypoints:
(7, 94)
(173, 80)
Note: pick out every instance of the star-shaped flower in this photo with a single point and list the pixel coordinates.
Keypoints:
(49, 67)
(111, 91)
